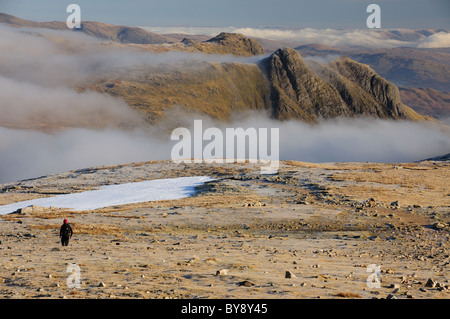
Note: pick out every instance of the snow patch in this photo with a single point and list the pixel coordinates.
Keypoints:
(113, 195)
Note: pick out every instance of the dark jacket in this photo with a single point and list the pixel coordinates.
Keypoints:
(66, 230)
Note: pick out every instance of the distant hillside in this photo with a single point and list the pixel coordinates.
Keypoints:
(421, 74)
(406, 67)
(427, 101)
(224, 43)
(122, 34)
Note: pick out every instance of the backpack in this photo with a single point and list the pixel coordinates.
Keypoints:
(66, 230)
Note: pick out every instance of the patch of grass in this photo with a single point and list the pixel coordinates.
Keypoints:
(97, 229)
(347, 295)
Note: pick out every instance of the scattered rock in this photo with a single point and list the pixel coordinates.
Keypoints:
(370, 203)
(254, 204)
(438, 226)
(246, 283)
(102, 284)
(222, 272)
(30, 210)
(395, 204)
(430, 283)
(289, 275)
(395, 286)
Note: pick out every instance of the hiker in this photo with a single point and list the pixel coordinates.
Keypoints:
(65, 233)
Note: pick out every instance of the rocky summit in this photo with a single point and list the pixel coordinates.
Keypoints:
(342, 88)
(238, 43)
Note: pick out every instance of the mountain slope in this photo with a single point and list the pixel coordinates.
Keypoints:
(296, 92)
(122, 34)
(344, 88)
(282, 84)
(427, 101)
(213, 89)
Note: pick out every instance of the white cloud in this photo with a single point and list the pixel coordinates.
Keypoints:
(332, 37)
(437, 40)
(36, 79)
(25, 103)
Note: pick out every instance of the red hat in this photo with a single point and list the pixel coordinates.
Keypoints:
(65, 221)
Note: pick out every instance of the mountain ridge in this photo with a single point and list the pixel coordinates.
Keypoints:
(122, 34)
(283, 83)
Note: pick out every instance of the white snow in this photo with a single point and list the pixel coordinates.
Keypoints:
(112, 195)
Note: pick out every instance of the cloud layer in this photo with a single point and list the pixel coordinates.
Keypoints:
(25, 154)
(36, 86)
(332, 37)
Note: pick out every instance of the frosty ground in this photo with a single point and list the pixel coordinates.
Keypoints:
(310, 231)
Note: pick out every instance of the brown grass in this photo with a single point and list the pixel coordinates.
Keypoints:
(212, 89)
(97, 229)
(347, 295)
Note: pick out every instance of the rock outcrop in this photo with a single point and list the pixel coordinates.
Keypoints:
(342, 88)
(381, 90)
(237, 44)
(296, 92)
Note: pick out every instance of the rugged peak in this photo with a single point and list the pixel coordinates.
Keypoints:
(310, 91)
(237, 44)
(296, 92)
(383, 91)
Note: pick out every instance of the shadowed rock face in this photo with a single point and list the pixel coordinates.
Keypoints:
(296, 92)
(384, 92)
(344, 88)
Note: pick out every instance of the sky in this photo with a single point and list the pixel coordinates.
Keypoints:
(320, 14)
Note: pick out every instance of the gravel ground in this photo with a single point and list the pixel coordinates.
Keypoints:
(310, 231)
